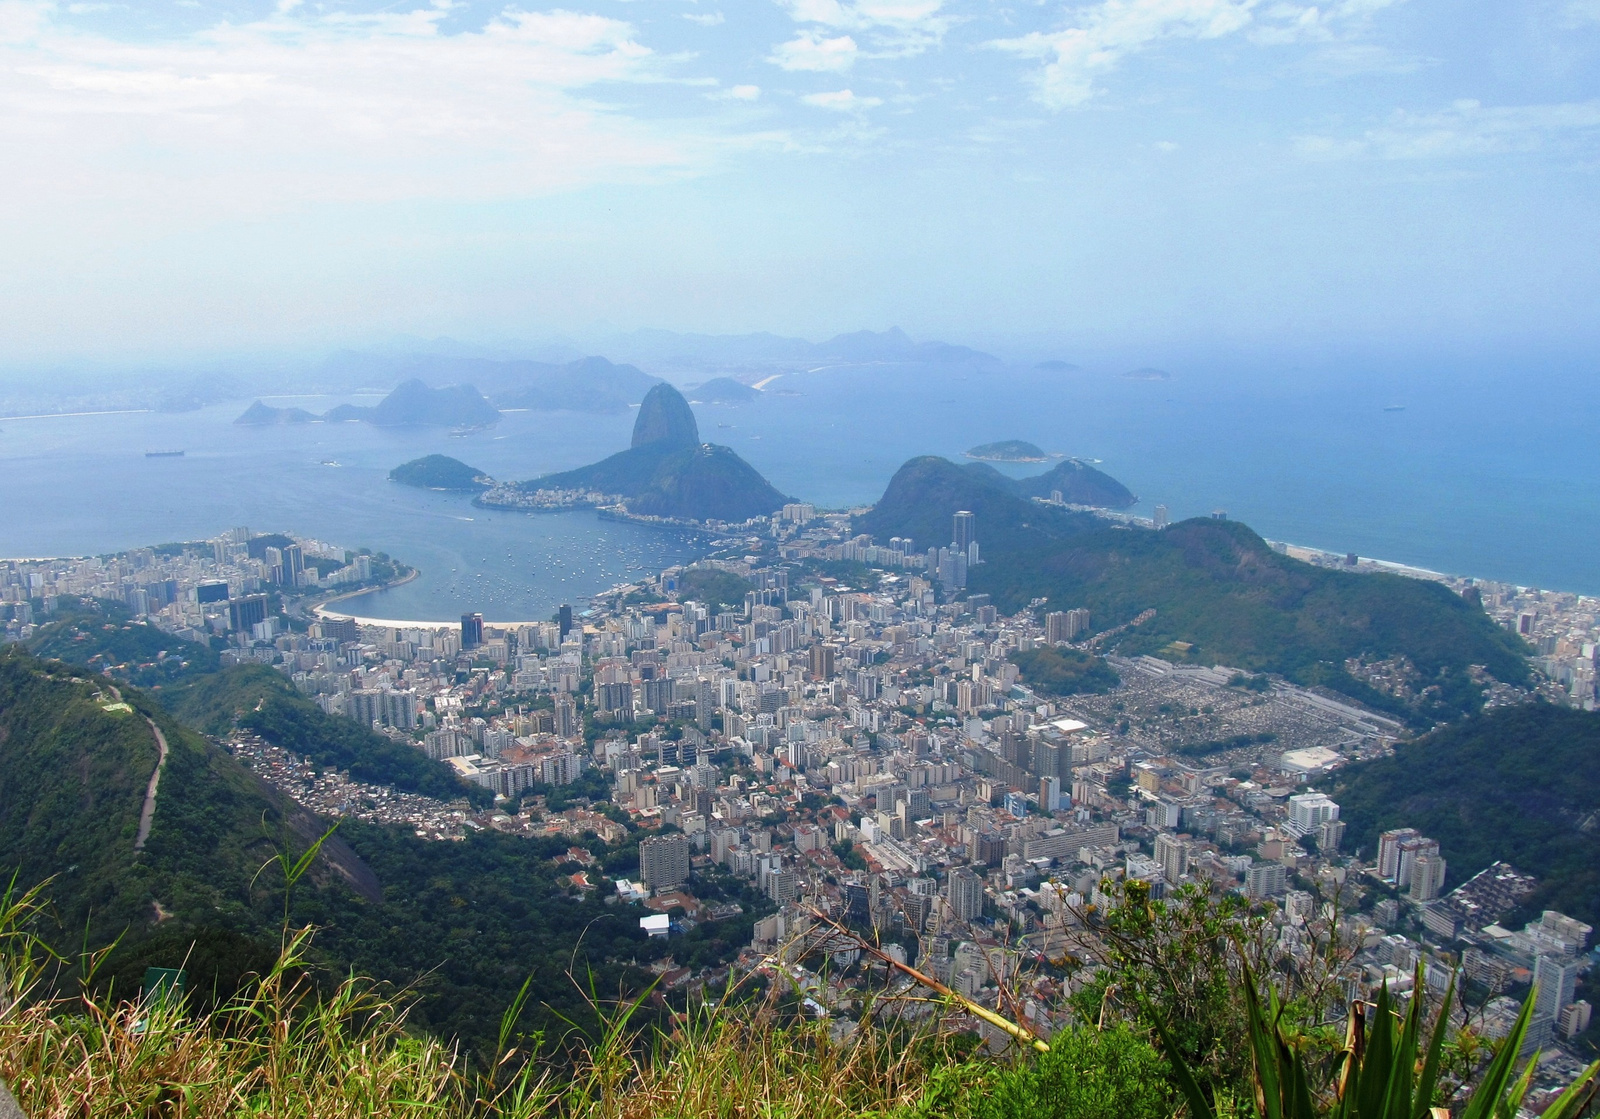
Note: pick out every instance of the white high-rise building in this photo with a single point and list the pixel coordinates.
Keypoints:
(1309, 811)
(964, 891)
(1389, 850)
(1173, 855)
(1555, 982)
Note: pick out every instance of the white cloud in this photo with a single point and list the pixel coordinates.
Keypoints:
(304, 105)
(706, 19)
(745, 92)
(1295, 23)
(1103, 34)
(841, 101)
(810, 51)
(895, 28)
(1076, 56)
(1466, 129)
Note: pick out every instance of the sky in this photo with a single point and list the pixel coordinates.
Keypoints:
(195, 176)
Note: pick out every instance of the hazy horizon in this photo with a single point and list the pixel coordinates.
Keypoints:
(225, 178)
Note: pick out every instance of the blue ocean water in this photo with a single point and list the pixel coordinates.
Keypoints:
(82, 485)
(1484, 472)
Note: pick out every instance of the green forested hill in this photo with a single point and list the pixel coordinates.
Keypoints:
(1214, 585)
(926, 492)
(1519, 784)
(1050, 671)
(73, 777)
(187, 681)
(462, 923)
(258, 698)
(439, 472)
(1221, 588)
(105, 639)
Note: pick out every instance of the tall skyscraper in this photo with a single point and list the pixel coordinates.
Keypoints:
(564, 620)
(471, 631)
(1309, 811)
(964, 891)
(664, 861)
(1065, 625)
(1427, 875)
(1556, 982)
(822, 661)
(1161, 516)
(966, 530)
(1389, 850)
(1050, 794)
(245, 612)
(1173, 855)
(566, 716)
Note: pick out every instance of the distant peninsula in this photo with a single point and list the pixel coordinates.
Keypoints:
(441, 472)
(411, 403)
(724, 390)
(1008, 450)
(665, 472)
(1056, 366)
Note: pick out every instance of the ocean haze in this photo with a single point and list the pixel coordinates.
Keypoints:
(1485, 470)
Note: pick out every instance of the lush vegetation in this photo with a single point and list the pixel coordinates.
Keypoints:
(926, 492)
(439, 472)
(1008, 450)
(719, 590)
(462, 923)
(105, 639)
(1519, 784)
(259, 699)
(1214, 585)
(1052, 671)
(72, 782)
(284, 1044)
(1220, 588)
(1079, 484)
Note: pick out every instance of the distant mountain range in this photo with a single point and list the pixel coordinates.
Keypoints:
(668, 472)
(412, 402)
(666, 349)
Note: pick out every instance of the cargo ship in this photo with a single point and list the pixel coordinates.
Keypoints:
(163, 454)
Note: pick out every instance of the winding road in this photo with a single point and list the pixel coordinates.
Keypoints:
(147, 814)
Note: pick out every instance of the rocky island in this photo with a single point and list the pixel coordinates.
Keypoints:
(666, 472)
(1008, 450)
(441, 472)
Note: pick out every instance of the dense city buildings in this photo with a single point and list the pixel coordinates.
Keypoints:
(835, 727)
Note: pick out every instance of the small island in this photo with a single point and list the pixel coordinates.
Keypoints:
(1008, 450)
(441, 472)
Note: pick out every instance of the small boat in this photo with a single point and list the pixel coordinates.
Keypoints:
(163, 454)
(1394, 407)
